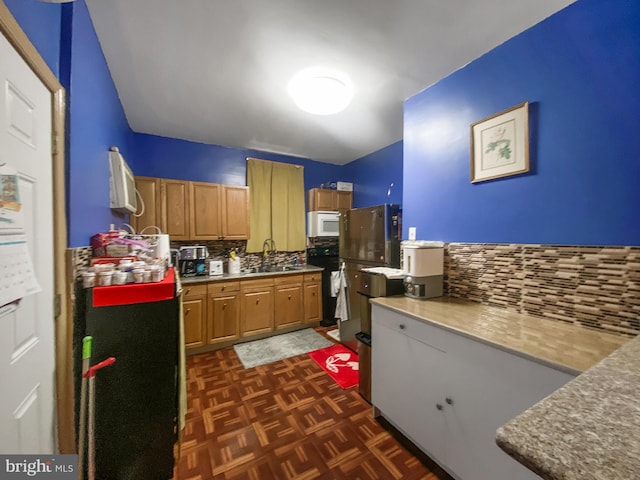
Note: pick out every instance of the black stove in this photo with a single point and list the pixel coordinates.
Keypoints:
(327, 258)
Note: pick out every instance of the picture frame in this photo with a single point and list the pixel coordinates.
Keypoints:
(500, 144)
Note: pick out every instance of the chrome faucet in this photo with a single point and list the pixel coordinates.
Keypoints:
(268, 247)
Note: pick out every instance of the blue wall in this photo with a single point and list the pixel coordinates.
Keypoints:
(580, 69)
(96, 122)
(41, 22)
(172, 158)
(373, 174)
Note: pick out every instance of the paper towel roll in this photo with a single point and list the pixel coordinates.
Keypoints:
(234, 266)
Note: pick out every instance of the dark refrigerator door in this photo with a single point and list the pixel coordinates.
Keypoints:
(358, 307)
(370, 235)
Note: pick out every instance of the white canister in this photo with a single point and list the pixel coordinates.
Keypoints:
(119, 278)
(138, 275)
(88, 279)
(104, 278)
(234, 266)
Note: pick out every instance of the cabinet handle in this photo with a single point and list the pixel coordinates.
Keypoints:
(449, 401)
(257, 301)
(402, 327)
(438, 406)
(188, 291)
(224, 306)
(187, 311)
(222, 289)
(313, 294)
(289, 297)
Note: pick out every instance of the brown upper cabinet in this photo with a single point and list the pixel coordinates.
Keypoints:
(194, 210)
(323, 199)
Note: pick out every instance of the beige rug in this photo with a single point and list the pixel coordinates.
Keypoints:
(278, 347)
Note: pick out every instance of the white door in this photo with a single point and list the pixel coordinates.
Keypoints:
(27, 423)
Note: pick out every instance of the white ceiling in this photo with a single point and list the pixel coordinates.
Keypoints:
(216, 71)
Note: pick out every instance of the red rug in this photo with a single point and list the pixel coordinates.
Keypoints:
(340, 363)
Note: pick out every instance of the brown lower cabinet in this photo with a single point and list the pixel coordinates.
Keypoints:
(194, 308)
(218, 313)
(289, 305)
(224, 312)
(257, 307)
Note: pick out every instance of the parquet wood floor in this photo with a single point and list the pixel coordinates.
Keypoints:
(285, 421)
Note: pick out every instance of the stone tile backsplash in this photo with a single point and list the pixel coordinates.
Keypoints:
(596, 287)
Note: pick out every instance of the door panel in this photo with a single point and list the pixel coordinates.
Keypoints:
(26, 327)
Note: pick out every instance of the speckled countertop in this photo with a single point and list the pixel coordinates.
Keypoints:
(587, 430)
(248, 275)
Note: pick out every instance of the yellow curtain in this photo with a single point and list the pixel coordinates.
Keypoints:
(287, 207)
(259, 183)
(277, 205)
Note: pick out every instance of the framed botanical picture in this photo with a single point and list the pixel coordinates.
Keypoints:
(500, 144)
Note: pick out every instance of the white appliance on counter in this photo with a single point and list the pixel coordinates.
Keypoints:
(323, 224)
(423, 262)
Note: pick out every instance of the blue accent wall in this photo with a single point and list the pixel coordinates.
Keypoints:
(373, 175)
(183, 160)
(96, 122)
(580, 69)
(41, 22)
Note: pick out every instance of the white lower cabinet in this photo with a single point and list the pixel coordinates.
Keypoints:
(449, 393)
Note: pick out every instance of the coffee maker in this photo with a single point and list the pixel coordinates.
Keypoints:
(192, 260)
(423, 262)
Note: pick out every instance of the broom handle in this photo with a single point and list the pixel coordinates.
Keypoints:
(82, 434)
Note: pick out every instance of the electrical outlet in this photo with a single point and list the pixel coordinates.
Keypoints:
(412, 233)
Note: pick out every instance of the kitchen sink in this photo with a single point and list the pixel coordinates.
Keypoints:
(286, 268)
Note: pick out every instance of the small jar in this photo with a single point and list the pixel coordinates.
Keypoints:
(104, 278)
(104, 267)
(138, 275)
(146, 276)
(156, 273)
(88, 279)
(119, 278)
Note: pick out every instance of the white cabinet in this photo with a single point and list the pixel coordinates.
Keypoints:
(449, 393)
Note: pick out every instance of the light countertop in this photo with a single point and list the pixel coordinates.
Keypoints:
(562, 346)
(587, 430)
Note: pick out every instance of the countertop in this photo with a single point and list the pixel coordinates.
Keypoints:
(561, 346)
(249, 275)
(588, 429)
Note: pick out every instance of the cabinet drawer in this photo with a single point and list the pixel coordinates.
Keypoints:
(223, 287)
(427, 334)
(194, 289)
(258, 283)
(313, 277)
(288, 279)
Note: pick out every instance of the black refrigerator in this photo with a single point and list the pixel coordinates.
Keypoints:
(369, 237)
(136, 402)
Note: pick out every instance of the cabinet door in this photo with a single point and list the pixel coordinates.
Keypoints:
(194, 309)
(488, 387)
(149, 204)
(312, 302)
(344, 200)
(175, 209)
(321, 199)
(288, 306)
(204, 212)
(224, 317)
(257, 311)
(406, 386)
(235, 213)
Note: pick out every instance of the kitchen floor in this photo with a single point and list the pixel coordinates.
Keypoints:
(285, 420)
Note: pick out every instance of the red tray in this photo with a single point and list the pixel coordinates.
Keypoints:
(135, 292)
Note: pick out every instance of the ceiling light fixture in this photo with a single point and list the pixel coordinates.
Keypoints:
(320, 91)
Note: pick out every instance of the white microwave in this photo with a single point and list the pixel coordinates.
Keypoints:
(323, 224)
